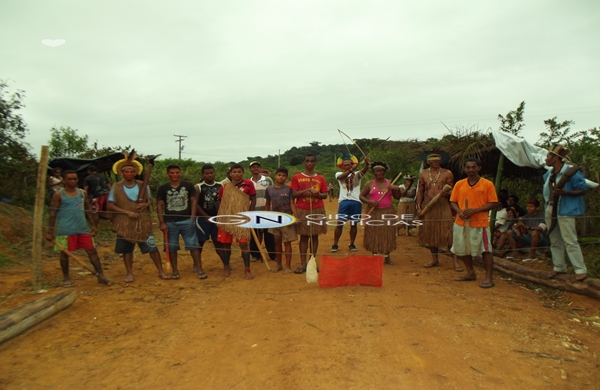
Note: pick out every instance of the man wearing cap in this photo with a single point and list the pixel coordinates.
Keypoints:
(349, 206)
(564, 188)
(436, 231)
(261, 182)
(98, 187)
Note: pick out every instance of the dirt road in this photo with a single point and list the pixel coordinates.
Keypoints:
(421, 330)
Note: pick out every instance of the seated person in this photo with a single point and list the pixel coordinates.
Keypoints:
(513, 201)
(505, 218)
(531, 230)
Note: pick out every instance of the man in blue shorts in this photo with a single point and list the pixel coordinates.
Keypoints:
(207, 206)
(349, 202)
(177, 216)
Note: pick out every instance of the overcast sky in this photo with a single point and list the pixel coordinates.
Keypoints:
(246, 78)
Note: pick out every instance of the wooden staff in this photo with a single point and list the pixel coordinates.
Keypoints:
(142, 194)
(385, 192)
(468, 230)
(559, 186)
(81, 263)
(263, 253)
(445, 191)
(168, 268)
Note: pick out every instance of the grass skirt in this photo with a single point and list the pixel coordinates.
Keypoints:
(407, 208)
(233, 202)
(380, 239)
(304, 227)
(436, 231)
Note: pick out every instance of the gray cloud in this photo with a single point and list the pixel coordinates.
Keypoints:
(248, 78)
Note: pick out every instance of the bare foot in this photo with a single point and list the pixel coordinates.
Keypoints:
(67, 282)
(104, 280)
(163, 275)
(287, 270)
(227, 271)
(431, 264)
(128, 279)
(278, 268)
(248, 274)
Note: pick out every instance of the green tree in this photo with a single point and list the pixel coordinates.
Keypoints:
(558, 133)
(65, 142)
(18, 172)
(513, 122)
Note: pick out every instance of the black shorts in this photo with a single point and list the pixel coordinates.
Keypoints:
(122, 246)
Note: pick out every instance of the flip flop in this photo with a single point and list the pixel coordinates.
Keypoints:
(300, 270)
(431, 264)
(529, 260)
(164, 276)
(487, 284)
(202, 275)
(459, 269)
(175, 275)
(464, 279)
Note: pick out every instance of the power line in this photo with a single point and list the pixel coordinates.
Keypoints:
(180, 140)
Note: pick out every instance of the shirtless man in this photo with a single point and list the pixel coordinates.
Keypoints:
(436, 231)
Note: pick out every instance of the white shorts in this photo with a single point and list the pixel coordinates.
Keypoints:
(480, 238)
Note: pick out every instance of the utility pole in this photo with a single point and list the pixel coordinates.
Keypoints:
(180, 140)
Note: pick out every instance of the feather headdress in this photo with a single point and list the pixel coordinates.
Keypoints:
(130, 161)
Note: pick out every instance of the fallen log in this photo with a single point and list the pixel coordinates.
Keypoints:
(589, 287)
(21, 318)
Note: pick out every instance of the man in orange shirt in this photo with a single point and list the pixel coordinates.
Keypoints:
(472, 199)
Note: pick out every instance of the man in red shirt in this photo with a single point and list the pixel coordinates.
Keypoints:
(309, 189)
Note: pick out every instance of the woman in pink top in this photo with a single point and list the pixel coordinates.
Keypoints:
(380, 232)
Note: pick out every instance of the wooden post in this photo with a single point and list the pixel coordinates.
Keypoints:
(498, 185)
(38, 216)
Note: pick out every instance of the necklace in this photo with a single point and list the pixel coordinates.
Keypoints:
(432, 180)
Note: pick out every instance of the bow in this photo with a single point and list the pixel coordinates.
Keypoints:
(354, 142)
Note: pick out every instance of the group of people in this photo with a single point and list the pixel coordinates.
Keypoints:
(449, 215)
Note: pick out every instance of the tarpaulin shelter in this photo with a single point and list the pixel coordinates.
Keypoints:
(103, 164)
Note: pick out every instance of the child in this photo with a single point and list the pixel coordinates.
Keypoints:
(309, 189)
(237, 196)
(279, 198)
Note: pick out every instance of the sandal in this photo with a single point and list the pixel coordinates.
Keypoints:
(300, 270)
(202, 275)
(554, 274)
(175, 275)
(581, 277)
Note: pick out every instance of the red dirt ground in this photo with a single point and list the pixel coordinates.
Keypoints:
(421, 330)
